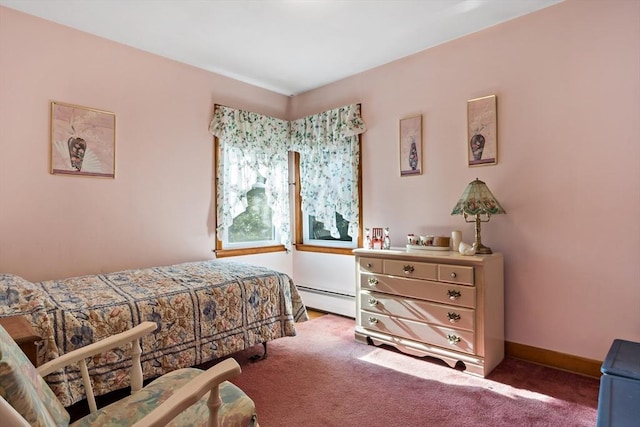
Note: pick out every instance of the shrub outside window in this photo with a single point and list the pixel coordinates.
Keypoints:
(254, 226)
(315, 233)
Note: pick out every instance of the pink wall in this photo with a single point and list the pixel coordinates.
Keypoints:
(568, 85)
(159, 209)
(567, 80)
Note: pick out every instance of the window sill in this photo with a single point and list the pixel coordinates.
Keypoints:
(323, 249)
(223, 253)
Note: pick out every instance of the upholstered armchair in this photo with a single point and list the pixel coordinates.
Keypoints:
(183, 397)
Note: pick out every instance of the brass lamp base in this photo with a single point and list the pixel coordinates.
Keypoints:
(477, 245)
(481, 249)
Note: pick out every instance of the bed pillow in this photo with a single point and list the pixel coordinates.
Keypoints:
(24, 388)
(18, 295)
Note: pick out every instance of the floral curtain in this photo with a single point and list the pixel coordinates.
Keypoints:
(329, 150)
(251, 145)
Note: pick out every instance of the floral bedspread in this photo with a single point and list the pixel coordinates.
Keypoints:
(204, 310)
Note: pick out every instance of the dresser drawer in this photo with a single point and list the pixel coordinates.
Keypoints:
(446, 293)
(419, 310)
(417, 331)
(455, 274)
(372, 265)
(417, 270)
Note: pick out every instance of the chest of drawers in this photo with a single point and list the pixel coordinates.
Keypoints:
(438, 304)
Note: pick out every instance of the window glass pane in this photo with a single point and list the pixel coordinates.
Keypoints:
(314, 233)
(254, 224)
(318, 232)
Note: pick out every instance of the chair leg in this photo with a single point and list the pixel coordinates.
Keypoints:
(257, 357)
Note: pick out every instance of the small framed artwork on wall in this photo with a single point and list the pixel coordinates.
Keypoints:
(83, 141)
(411, 146)
(482, 131)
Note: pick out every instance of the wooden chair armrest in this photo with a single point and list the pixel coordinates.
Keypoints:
(101, 346)
(191, 392)
(9, 416)
(132, 336)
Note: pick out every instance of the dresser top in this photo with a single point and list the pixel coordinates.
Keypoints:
(426, 254)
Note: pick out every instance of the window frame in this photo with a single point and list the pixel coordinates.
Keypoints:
(220, 251)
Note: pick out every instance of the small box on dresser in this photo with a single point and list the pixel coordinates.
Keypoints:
(432, 303)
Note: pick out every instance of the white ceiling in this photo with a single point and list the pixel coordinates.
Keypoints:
(287, 46)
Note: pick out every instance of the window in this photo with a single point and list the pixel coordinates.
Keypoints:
(252, 174)
(252, 202)
(328, 184)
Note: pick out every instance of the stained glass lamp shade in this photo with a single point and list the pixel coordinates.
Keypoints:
(478, 201)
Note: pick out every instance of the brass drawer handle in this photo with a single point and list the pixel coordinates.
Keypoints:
(372, 320)
(453, 294)
(372, 281)
(453, 317)
(373, 302)
(453, 339)
(408, 269)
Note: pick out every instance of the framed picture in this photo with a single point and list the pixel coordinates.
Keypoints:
(482, 131)
(83, 141)
(411, 146)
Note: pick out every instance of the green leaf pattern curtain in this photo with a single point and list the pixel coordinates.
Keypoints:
(329, 150)
(251, 145)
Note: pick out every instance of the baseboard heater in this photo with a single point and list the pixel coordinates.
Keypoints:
(323, 291)
(328, 301)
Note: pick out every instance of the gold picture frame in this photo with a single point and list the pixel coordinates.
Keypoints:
(411, 146)
(482, 131)
(83, 141)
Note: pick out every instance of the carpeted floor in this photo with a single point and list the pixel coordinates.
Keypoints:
(323, 377)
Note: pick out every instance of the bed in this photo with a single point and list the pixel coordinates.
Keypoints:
(204, 310)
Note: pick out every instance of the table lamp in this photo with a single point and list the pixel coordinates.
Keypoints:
(478, 201)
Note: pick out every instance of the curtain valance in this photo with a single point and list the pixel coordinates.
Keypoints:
(327, 128)
(247, 130)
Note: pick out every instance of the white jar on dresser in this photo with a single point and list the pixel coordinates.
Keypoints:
(432, 303)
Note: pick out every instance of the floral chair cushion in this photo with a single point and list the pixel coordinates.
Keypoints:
(24, 388)
(237, 408)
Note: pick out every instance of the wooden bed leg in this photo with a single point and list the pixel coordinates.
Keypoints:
(257, 357)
